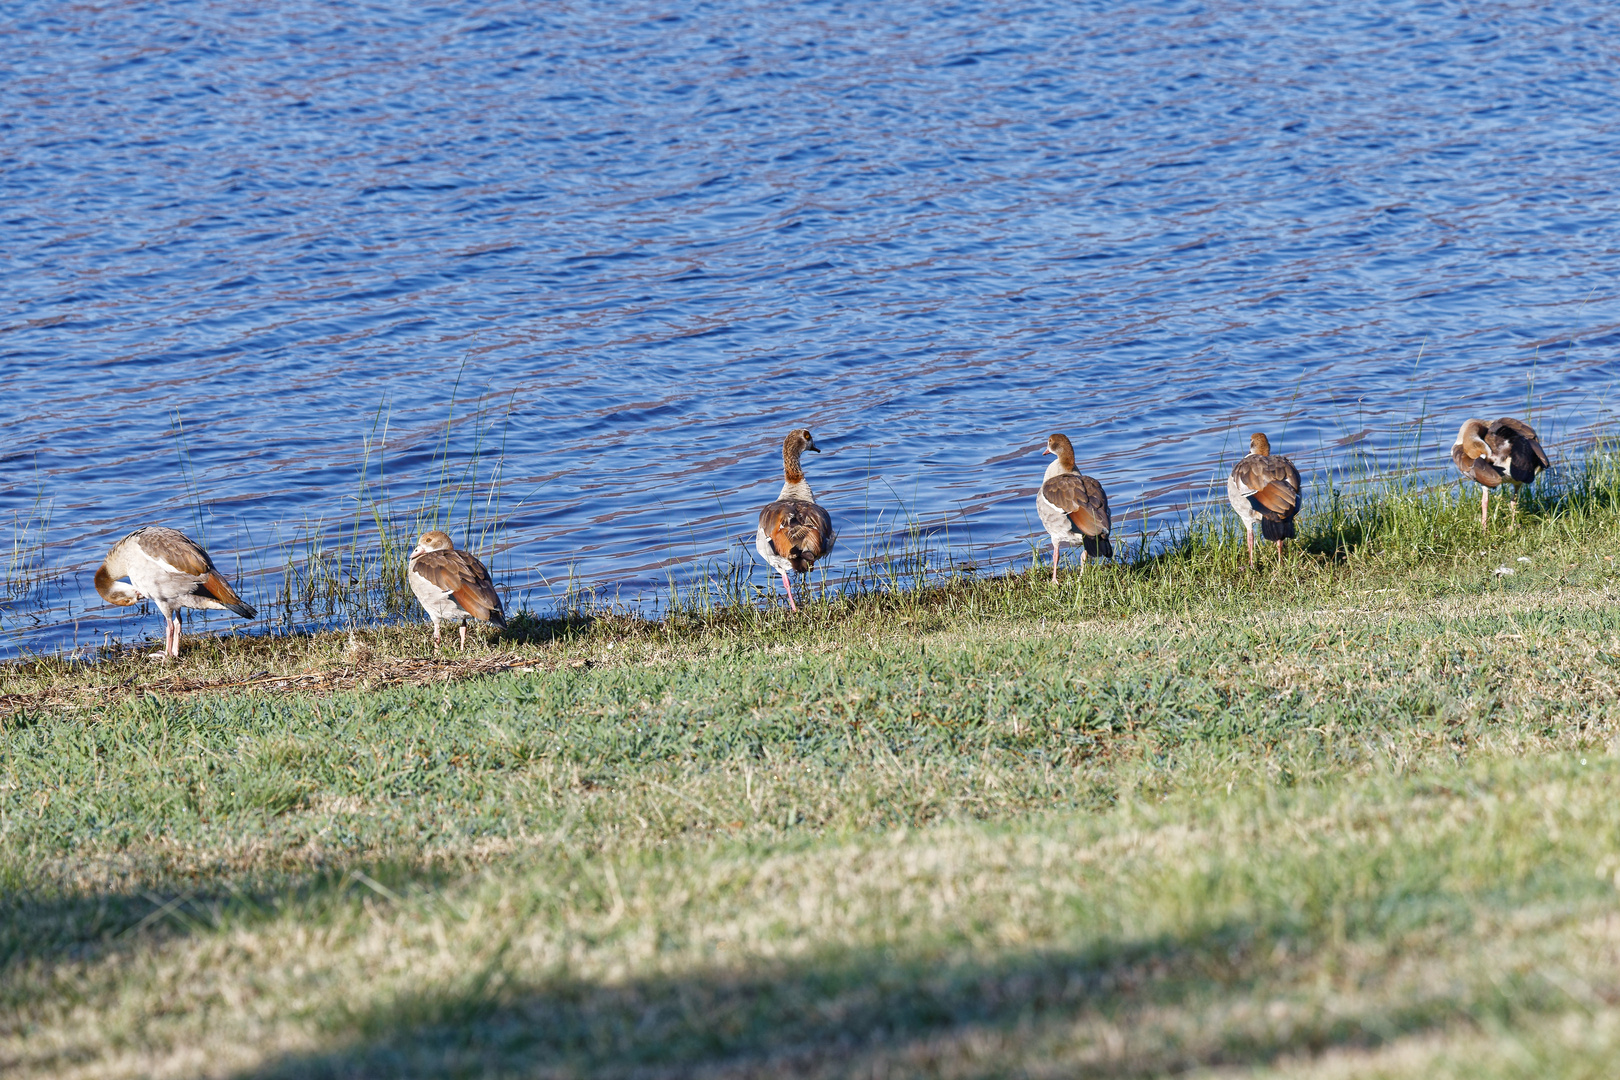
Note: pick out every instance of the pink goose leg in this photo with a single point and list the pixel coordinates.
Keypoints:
(786, 585)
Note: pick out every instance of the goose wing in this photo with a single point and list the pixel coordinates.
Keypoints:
(1270, 484)
(1516, 447)
(1082, 499)
(179, 556)
(465, 580)
(798, 531)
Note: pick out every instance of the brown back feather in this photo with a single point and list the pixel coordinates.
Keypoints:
(460, 574)
(1511, 426)
(800, 531)
(1083, 499)
(1516, 443)
(175, 548)
(1273, 485)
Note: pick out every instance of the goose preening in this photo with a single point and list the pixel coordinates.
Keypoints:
(793, 531)
(1489, 454)
(171, 570)
(1264, 488)
(452, 584)
(1073, 508)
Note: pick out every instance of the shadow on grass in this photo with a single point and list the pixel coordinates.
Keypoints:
(1117, 1007)
(37, 926)
(527, 628)
(1113, 1010)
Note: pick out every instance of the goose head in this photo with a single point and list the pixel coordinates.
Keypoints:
(801, 439)
(1060, 445)
(121, 593)
(432, 540)
(798, 440)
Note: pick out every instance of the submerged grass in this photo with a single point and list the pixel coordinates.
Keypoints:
(1347, 815)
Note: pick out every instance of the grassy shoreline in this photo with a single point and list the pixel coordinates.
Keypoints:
(1348, 816)
(1401, 539)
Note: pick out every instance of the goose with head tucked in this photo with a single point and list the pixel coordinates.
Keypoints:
(794, 532)
(173, 571)
(1264, 489)
(452, 584)
(1507, 451)
(1074, 508)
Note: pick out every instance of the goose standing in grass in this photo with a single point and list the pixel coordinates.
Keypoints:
(793, 531)
(173, 571)
(1489, 454)
(1264, 488)
(452, 584)
(1073, 508)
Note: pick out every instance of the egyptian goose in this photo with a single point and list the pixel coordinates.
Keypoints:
(452, 584)
(171, 570)
(1073, 508)
(1489, 454)
(1266, 489)
(793, 531)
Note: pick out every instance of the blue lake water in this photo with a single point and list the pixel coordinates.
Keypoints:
(252, 252)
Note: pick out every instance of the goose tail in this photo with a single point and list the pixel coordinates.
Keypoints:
(1277, 530)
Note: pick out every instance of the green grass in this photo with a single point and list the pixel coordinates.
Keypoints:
(1350, 816)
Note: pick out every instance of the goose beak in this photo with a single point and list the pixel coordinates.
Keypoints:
(1048, 450)
(813, 448)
